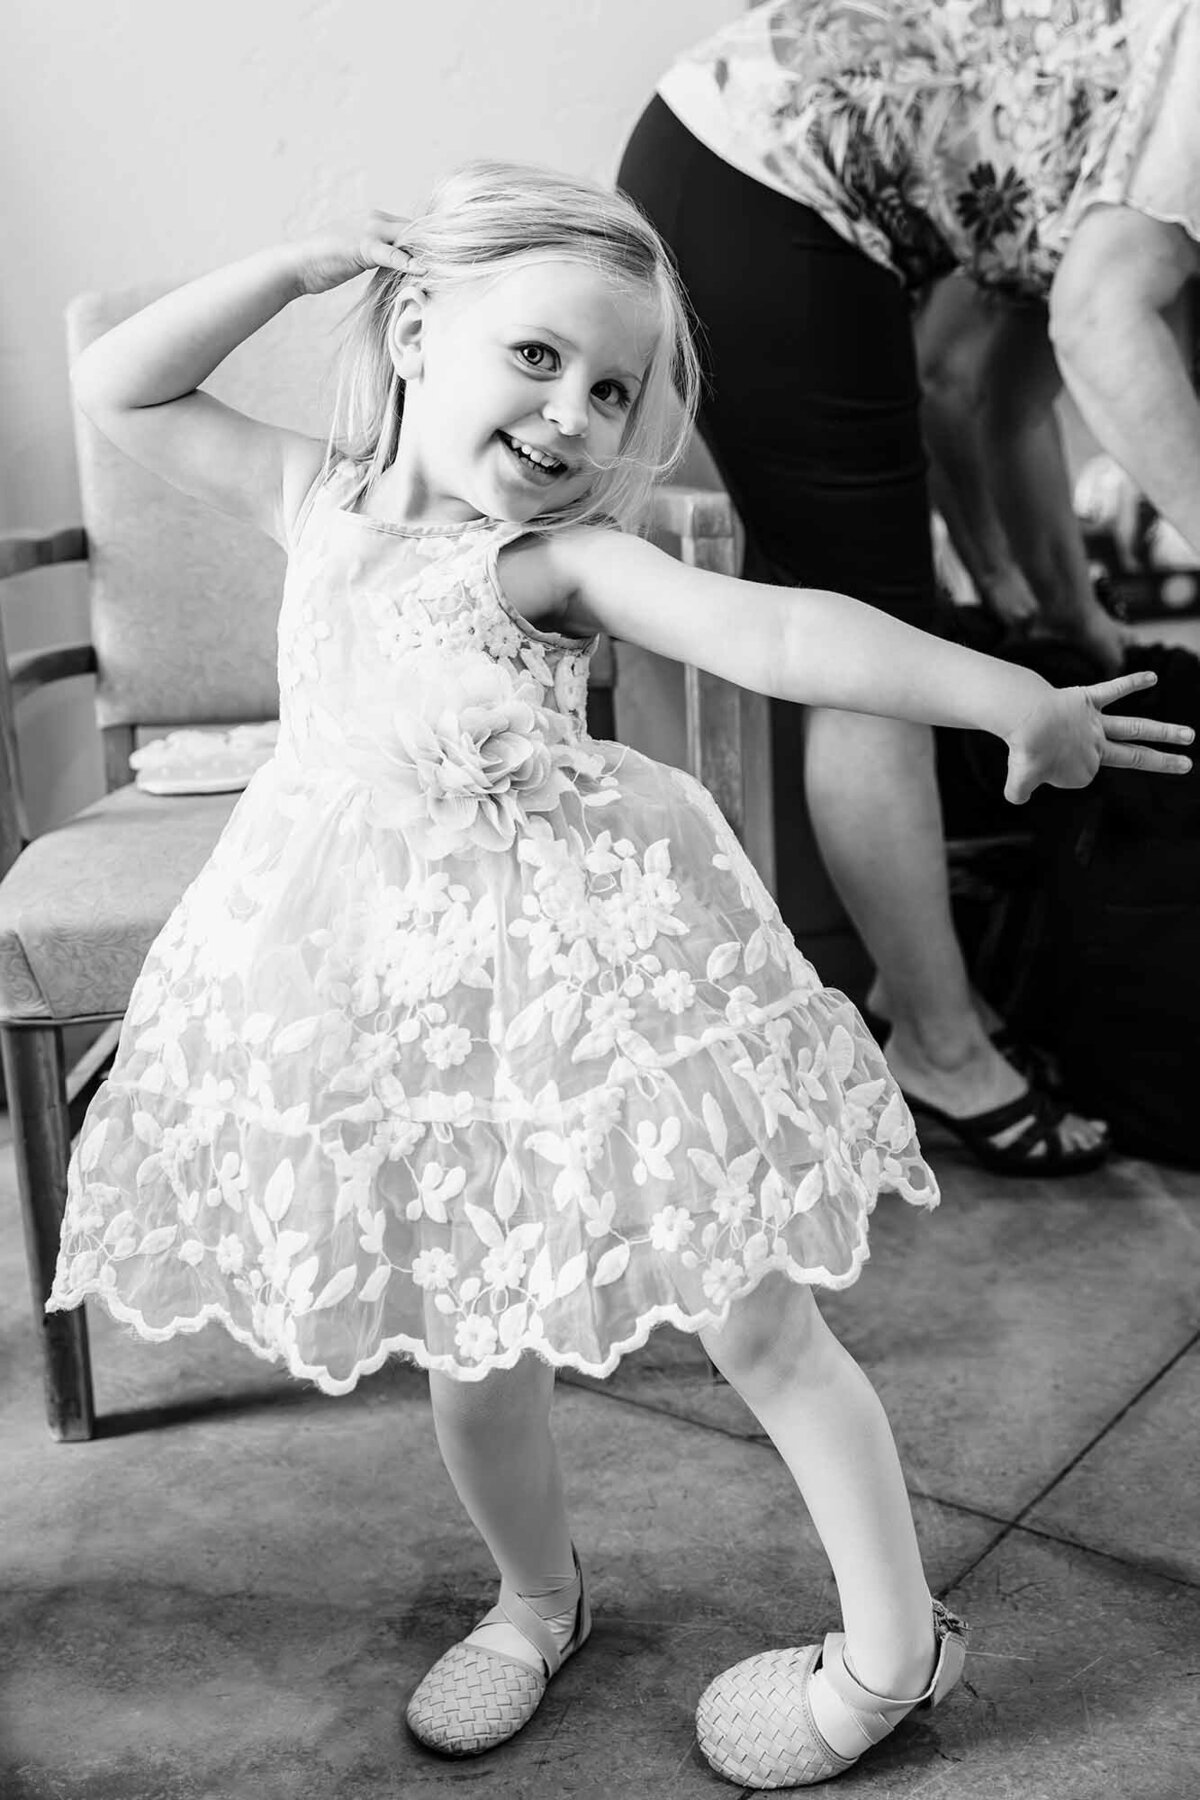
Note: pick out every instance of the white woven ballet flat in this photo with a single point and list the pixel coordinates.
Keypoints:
(473, 1699)
(755, 1723)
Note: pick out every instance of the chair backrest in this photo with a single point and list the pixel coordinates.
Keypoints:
(184, 600)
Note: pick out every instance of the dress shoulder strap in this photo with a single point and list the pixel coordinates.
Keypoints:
(337, 483)
(502, 534)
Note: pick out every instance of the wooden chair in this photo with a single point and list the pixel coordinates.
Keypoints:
(183, 605)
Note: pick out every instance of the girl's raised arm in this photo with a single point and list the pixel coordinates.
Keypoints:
(824, 649)
(139, 383)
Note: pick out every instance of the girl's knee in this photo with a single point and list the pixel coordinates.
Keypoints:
(774, 1335)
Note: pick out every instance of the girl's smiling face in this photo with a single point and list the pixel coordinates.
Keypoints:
(518, 390)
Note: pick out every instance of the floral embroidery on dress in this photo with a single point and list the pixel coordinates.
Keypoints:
(475, 1036)
(942, 134)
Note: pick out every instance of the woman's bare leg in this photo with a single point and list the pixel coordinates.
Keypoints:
(872, 794)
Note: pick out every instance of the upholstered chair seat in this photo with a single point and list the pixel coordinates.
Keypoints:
(83, 904)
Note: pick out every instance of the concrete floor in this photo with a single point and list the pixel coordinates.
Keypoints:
(230, 1593)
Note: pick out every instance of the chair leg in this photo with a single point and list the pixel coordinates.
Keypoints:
(35, 1074)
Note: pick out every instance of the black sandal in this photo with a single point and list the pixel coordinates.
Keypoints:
(1038, 1066)
(1036, 1151)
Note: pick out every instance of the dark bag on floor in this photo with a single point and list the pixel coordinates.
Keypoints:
(998, 852)
(1121, 1000)
(1121, 990)
(1087, 936)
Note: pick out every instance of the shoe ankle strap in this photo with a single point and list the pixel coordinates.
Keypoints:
(528, 1613)
(951, 1634)
(874, 1715)
(877, 1714)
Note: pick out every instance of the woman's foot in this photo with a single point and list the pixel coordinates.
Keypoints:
(977, 1082)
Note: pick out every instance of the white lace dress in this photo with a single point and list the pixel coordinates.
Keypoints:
(475, 1035)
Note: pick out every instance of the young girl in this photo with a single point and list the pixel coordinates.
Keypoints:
(478, 1040)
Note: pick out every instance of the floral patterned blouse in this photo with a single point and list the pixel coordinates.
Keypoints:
(968, 134)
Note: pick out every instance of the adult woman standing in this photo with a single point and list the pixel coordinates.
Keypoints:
(821, 168)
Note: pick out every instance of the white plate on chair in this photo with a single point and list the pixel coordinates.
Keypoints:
(209, 761)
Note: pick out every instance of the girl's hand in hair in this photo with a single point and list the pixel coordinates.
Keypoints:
(340, 252)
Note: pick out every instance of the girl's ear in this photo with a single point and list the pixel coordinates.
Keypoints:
(406, 334)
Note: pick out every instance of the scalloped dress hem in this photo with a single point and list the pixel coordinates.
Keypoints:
(416, 1351)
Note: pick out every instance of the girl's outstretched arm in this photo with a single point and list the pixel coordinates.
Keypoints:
(824, 649)
(139, 382)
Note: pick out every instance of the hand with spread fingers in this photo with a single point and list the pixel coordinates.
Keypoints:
(1067, 736)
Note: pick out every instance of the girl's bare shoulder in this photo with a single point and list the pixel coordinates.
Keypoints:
(540, 572)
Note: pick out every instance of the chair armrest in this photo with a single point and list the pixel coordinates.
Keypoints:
(693, 512)
(704, 522)
(22, 550)
(29, 670)
(726, 728)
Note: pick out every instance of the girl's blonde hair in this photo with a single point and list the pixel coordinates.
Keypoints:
(480, 217)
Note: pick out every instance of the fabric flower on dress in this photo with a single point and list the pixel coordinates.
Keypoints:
(447, 1045)
(475, 1338)
(231, 1254)
(722, 1279)
(504, 1266)
(464, 762)
(434, 1269)
(675, 991)
(570, 687)
(671, 1227)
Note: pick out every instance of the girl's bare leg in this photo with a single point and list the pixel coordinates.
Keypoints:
(494, 1436)
(826, 1421)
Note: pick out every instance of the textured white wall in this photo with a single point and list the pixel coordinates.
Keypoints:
(147, 138)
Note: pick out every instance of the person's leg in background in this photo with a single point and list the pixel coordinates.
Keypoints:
(813, 417)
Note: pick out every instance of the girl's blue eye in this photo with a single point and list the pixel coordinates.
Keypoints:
(612, 393)
(536, 356)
